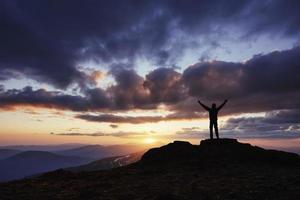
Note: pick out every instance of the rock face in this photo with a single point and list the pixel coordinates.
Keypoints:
(215, 169)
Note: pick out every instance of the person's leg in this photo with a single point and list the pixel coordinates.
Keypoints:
(211, 130)
(216, 129)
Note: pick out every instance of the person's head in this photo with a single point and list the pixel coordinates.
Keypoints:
(213, 105)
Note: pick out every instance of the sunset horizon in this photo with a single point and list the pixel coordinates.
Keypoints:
(150, 99)
(125, 72)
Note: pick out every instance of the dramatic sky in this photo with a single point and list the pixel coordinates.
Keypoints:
(123, 71)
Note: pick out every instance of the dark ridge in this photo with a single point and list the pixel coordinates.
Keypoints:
(178, 151)
(221, 151)
(214, 170)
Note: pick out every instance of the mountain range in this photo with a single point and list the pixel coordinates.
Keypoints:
(108, 163)
(215, 169)
(50, 147)
(23, 162)
(96, 152)
(5, 153)
(33, 162)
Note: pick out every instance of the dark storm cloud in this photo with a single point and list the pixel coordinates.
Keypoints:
(128, 92)
(214, 79)
(26, 48)
(95, 99)
(263, 83)
(45, 40)
(165, 86)
(276, 72)
(162, 85)
(274, 16)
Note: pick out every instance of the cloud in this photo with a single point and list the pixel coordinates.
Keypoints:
(113, 125)
(264, 83)
(112, 118)
(101, 134)
(165, 86)
(283, 123)
(282, 119)
(191, 134)
(2, 89)
(49, 49)
(275, 72)
(128, 92)
(94, 99)
(214, 79)
(118, 119)
(276, 124)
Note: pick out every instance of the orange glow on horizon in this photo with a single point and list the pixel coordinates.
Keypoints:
(33, 127)
(149, 140)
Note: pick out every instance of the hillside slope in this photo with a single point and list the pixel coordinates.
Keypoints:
(5, 153)
(33, 162)
(108, 163)
(224, 169)
(97, 152)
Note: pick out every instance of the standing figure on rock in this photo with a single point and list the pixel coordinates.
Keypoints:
(213, 117)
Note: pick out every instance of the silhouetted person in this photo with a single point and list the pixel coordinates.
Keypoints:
(213, 117)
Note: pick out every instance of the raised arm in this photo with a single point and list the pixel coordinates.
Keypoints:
(204, 106)
(223, 104)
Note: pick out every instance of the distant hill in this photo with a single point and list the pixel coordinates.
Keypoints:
(33, 162)
(52, 147)
(218, 169)
(108, 163)
(91, 151)
(5, 153)
(98, 151)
